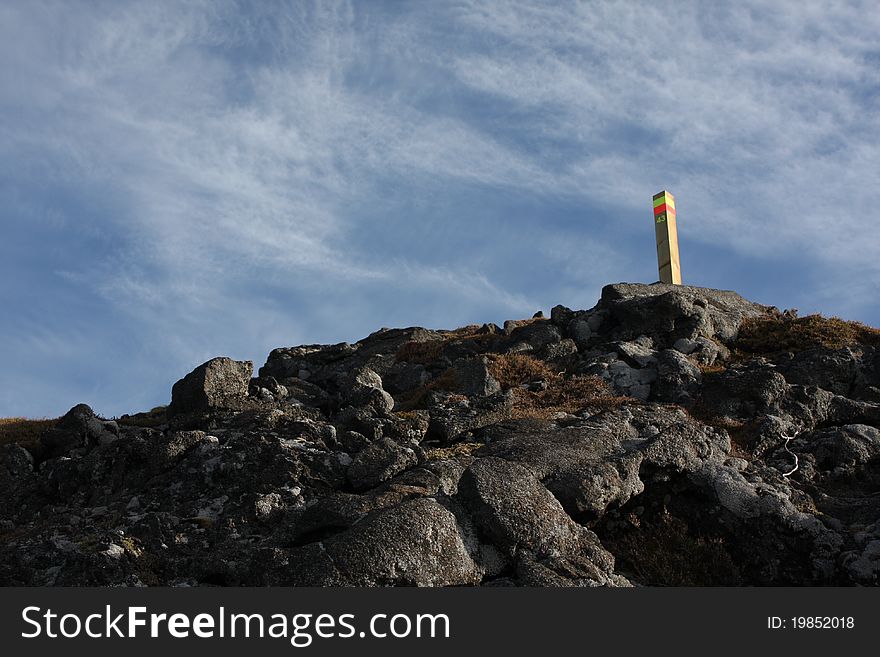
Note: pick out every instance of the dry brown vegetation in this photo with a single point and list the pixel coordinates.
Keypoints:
(422, 353)
(774, 333)
(561, 395)
(23, 431)
(428, 352)
(665, 553)
(513, 370)
(153, 418)
(458, 449)
(566, 395)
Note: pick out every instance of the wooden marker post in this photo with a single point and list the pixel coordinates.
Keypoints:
(667, 238)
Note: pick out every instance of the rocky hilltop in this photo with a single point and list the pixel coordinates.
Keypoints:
(668, 436)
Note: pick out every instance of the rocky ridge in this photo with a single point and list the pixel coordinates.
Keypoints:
(635, 443)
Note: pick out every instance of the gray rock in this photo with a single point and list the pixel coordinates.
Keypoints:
(558, 352)
(685, 345)
(668, 313)
(848, 447)
(528, 525)
(365, 389)
(415, 543)
(379, 462)
(453, 415)
(710, 352)
(638, 353)
(631, 381)
(678, 378)
(538, 334)
(473, 378)
(214, 384)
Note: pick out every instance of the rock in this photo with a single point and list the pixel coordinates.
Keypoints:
(685, 346)
(453, 415)
(379, 462)
(472, 377)
(594, 464)
(306, 475)
(313, 361)
(710, 352)
(526, 523)
(668, 313)
(638, 353)
(558, 352)
(631, 381)
(745, 392)
(834, 370)
(211, 385)
(415, 543)
(537, 334)
(79, 428)
(678, 379)
(404, 377)
(561, 316)
(848, 447)
(364, 389)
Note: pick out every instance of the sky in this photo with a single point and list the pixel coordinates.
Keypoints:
(184, 180)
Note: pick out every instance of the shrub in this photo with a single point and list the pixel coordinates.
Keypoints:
(566, 395)
(777, 332)
(513, 370)
(665, 553)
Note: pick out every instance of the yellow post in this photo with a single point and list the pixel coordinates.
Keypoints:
(667, 238)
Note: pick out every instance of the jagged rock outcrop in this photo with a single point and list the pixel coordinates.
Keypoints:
(643, 441)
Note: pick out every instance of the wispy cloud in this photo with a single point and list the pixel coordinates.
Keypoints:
(222, 178)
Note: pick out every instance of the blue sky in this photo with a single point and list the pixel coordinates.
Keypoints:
(185, 180)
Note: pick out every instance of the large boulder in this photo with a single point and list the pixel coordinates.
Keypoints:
(518, 515)
(668, 313)
(416, 543)
(214, 384)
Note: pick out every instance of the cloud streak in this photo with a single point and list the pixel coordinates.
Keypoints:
(209, 178)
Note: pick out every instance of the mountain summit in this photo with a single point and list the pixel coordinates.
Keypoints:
(670, 435)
